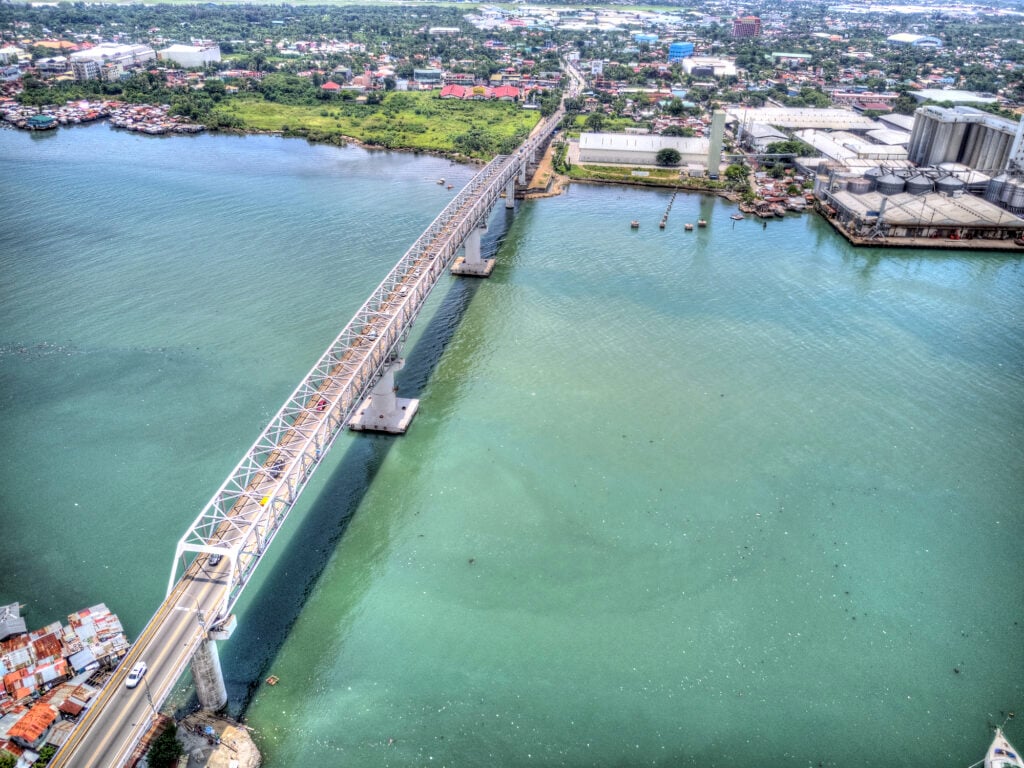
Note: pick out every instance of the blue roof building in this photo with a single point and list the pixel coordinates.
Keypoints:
(679, 51)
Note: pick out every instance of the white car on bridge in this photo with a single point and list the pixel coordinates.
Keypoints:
(135, 675)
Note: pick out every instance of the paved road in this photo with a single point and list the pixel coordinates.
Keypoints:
(120, 716)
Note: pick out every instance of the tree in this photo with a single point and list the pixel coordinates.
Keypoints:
(668, 156)
(166, 749)
(678, 130)
(594, 121)
(7, 760)
(736, 172)
(45, 756)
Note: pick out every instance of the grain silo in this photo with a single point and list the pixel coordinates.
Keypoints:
(995, 187)
(949, 185)
(918, 184)
(890, 184)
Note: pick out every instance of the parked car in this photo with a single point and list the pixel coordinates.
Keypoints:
(215, 559)
(135, 675)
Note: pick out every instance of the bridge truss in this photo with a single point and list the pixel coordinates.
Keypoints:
(247, 511)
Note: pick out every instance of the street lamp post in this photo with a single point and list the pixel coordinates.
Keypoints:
(149, 697)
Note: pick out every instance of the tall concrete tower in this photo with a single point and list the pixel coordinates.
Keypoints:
(1016, 158)
(715, 147)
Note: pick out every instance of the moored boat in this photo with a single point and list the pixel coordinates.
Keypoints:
(701, 223)
(737, 217)
(688, 227)
(634, 224)
(1001, 753)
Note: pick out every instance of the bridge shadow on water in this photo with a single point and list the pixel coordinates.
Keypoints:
(281, 593)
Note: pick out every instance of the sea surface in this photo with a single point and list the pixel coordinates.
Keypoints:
(738, 496)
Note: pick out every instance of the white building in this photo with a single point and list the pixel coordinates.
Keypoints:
(125, 55)
(632, 149)
(10, 54)
(709, 66)
(86, 69)
(188, 56)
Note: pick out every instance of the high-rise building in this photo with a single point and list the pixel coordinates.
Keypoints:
(85, 69)
(746, 26)
(679, 51)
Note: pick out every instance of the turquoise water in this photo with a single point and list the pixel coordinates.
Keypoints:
(733, 496)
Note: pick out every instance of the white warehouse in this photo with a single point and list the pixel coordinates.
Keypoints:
(634, 149)
(124, 55)
(188, 56)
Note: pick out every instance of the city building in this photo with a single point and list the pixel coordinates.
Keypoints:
(953, 96)
(746, 26)
(125, 55)
(908, 38)
(430, 77)
(708, 66)
(85, 69)
(965, 135)
(188, 56)
(679, 51)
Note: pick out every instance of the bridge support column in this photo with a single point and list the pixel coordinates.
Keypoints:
(522, 174)
(209, 680)
(471, 264)
(382, 411)
(510, 193)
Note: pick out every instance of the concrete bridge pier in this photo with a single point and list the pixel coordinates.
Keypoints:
(510, 193)
(382, 411)
(522, 174)
(471, 264)
(208, 678)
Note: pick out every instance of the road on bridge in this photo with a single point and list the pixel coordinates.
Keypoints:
(119, 716)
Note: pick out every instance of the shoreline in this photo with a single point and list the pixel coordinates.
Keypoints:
(546, 183)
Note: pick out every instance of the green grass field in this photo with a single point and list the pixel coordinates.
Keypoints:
(404, 121)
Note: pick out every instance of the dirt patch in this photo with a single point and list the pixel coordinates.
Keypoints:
(212, 741)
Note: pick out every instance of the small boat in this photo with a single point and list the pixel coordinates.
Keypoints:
(451, 186)
(440, 181)
(634, 224)
(688, 227)
(1001, 753)
(701, 223)
(662, 224)
(737, 217)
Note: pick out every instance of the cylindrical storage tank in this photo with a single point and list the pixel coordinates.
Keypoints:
(872, 174)
(1017, 201)
(1007, 193)
(890, 184)
(995, 187)
(919, 185)
(859, 186)
(947, 185)
(839, 185)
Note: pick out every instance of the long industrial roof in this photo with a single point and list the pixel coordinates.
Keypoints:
(793, 117)
(931, 209)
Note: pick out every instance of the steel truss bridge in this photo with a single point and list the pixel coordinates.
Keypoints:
(221, 549)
